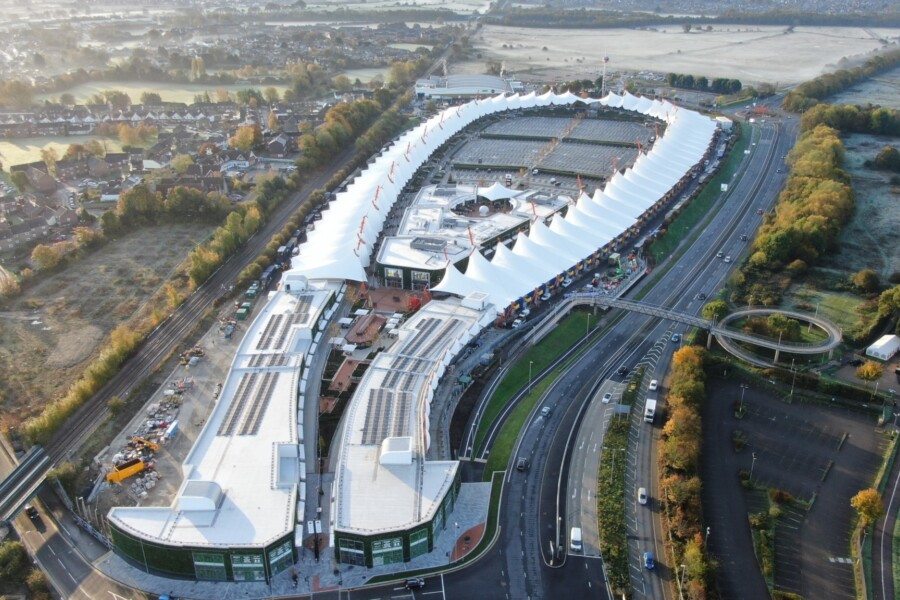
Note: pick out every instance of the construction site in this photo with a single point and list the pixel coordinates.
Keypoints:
(142, 466)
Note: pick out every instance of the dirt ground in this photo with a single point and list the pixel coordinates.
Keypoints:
(57, 325)
(748, 53)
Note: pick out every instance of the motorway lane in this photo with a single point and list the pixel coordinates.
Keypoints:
(581, 499)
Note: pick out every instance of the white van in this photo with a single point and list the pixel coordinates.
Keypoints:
(575, 539)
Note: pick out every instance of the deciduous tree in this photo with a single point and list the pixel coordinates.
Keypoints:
(868, 506)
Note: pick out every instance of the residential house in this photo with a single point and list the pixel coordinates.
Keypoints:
(280, 146)
(72, 169)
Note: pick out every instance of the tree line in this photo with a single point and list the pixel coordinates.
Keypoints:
(809, 93)
(816, 202)
(850, 118)
(679, 470)
(719, 85)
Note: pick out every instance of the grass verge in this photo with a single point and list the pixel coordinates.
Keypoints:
(611, 503)
(541, 356)
(498, 459)
(699, 209)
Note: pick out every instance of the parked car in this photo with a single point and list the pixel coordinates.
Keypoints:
(567, 282)
(649, 561)
(545, 297)
(32, 512)
(676, 337)
(654, 384)
(642, 495)
(607, 398)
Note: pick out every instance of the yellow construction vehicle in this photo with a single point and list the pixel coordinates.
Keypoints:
(139, 440)
(125, 470)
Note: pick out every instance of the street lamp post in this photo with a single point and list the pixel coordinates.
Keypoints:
(744, 387)
(530, 364)
(793, 376)
(753, 464)
(681, 583)
(706, 538)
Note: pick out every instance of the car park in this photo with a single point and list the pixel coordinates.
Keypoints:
(522, 464)
(642, 495)
(654, 385)
(545, 412)
(607, 398)
(676, 337)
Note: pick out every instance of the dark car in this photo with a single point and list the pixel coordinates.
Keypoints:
(32, 512)
(416, 583)
(743, 237)
(676, 337)
(701, 296)
(522, 464)
(623, 370)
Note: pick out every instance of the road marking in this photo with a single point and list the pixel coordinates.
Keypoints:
(841, 560)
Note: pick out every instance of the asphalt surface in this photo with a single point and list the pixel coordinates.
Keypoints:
(819, 454)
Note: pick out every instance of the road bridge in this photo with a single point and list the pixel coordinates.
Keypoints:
(23, 482)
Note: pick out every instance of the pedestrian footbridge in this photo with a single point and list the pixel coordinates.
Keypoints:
(725, 335)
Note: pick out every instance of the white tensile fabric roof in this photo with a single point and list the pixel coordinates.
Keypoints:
(340, 246)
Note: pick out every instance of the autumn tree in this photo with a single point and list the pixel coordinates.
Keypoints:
(50, 156)
(46, 257)
(715, 310)
(272, 121)
(870, 371)
(181, 162)
(19, 179)
(271, 95)
(868, 506)
(246, 137)
(866, 281)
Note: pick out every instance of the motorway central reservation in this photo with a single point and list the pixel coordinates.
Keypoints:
(240, 511)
